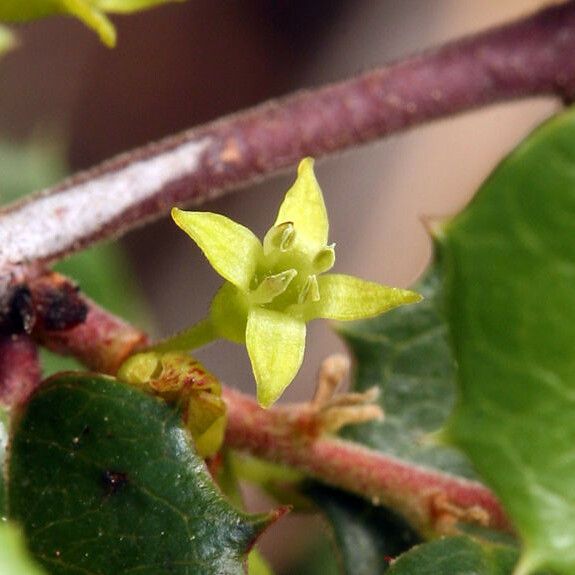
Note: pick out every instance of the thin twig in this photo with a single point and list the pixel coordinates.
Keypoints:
(431, 500)
(530, 57)
(50, 309)
(20, 372)
(291, 435)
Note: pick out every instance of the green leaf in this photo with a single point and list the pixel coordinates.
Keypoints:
(3, 446)
(257, 565)
(304, 207)
(103, 479)
(366, 536)
(14, 557)
(510, 267)
(232, 249)
(345, 298)
(29, 167)
(406, 354)
(456, 556)
(276, 344)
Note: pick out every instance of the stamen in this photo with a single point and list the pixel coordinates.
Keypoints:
(280, 237)
(310, 290)
(272, 286)
(324, 259)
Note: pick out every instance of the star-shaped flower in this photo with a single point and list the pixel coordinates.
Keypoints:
(273, 288)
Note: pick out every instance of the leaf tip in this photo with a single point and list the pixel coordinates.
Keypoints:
(435, 226)
(262, 522)
(440, 438)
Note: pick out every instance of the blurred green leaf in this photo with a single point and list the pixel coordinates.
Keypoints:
(366, 536)
(406, 354)
(257, 565)
(31, 166)
(103, 479)
(509, 261)
(14, 557)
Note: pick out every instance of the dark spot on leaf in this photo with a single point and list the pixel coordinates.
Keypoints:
(113, 481)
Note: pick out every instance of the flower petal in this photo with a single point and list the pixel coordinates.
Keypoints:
(231, 248)
(303, 205)
(344, 298)
(276, 343)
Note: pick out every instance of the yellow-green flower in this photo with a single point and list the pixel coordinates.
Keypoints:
(273, 288)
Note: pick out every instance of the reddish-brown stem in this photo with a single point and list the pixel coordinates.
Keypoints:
(102, 342)
(428, 498)
(533, 56)
(20, 372)
(50, 309)
(288, 435)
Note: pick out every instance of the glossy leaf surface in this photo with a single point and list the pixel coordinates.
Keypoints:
(103, 479)
(455, 556)
(509, 262)
(366, 537)
(406, 354)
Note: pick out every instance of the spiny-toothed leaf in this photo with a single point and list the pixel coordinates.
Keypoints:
(406, 354)
(365, 536)
(510, 268)
(103, 479)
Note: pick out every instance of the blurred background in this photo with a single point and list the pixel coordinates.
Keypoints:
(67, 103)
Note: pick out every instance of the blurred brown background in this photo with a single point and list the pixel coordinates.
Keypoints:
(185, 64)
